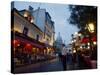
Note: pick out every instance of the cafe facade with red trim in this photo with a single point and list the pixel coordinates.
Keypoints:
(26, 43)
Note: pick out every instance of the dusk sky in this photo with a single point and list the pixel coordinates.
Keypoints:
(59, 14)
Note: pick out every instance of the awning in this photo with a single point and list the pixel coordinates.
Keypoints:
(94, 38)
(26, 41)
(85, 40)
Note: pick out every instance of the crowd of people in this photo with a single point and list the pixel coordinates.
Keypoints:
(26, 58)
(23, 57)
(66, 58)
(77, 58)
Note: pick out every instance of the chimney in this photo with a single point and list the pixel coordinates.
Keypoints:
(38, 8)
(31, 9)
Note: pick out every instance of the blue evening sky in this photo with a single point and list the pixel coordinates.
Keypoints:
(59, 14)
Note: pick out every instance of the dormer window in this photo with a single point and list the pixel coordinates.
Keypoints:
(32, 20)
(28, 16)
(25, 14)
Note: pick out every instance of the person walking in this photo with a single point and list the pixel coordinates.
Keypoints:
(70, 65)
(63, 57)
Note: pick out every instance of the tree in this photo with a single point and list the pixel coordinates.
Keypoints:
(82, 15)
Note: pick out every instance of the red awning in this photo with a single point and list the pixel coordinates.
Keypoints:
(29, 42)
(85, 40)
(28, 47)
(15, 42)
(94, 38)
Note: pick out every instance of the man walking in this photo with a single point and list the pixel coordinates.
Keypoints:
(63, 57)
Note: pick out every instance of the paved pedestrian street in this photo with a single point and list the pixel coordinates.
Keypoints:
(43, 43)
(47, 66)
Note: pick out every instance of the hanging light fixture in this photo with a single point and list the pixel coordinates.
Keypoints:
(90, 27)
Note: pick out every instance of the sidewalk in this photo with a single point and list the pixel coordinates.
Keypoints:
(50, 65)
(19, 64)
(47, 66)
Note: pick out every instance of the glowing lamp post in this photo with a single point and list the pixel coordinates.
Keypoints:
(90, 27)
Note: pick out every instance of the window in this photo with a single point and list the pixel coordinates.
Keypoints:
(25, 14)
(37, 37)
(25, 31)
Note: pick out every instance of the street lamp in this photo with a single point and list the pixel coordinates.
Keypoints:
(88, 44)
(74, 51)
(79, 34)
(90, 27)
(80, 47)
(76, 33)
(74, 40)
(94, 43)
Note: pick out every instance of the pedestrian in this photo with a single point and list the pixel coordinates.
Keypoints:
(74, 58)
(81, 62)
(70, 65)
(63, 57)
(69, 58)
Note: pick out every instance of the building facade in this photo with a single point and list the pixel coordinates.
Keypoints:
(26, 35)
(44, 22)
(34, 31)
(28, 39)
